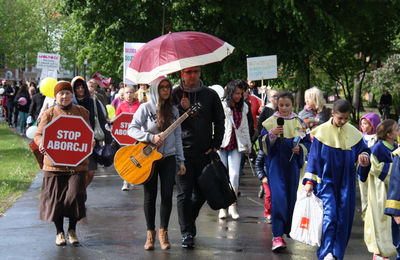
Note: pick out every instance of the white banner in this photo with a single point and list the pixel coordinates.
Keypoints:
(48, 73)
(263, 67)
(130, 49)
(48, 60)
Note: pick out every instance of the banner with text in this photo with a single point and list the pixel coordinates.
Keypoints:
(263, 67)
(48, 60)
(130, 49)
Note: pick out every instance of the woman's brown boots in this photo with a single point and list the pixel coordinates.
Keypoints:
(151, 238)
(162, 236)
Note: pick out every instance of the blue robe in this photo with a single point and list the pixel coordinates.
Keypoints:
(392, 206)
(283, 176)
(332, 168)
(377, 230)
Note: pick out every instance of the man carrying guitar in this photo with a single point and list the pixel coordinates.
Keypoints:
(149, 125)
(200, 135)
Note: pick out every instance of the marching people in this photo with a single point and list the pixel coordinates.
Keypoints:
(285, 157)
(12, 113)
(377, 226)
(63, 187)
(392, 205)
(36, 105)
(268, 110)
(118, 99)
(236, 138)
(130, 105)
(201, 135)
(22, 102)
(368, 124)
(315, 112)
(148, 125)
(336, 148)
(82, 97)
(98, 92)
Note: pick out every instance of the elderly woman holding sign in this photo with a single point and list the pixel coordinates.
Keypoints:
(63, 187)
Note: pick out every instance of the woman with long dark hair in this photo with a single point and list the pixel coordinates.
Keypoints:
(148, 125)
(22, 102)
(236, 138)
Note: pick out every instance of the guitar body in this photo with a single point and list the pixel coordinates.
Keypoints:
(135, 163)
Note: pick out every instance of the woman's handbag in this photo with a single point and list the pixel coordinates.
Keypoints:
(98, 132)
(105, 154)
(215, 185)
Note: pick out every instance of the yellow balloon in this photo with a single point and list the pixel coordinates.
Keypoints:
(47, 86)
(110, 111)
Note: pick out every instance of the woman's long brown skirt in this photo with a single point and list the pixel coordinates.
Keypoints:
(62, 195)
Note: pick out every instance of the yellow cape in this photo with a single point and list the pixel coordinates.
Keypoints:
(290, 128)
(337, 137)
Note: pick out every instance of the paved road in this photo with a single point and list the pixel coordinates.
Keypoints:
(115, 229)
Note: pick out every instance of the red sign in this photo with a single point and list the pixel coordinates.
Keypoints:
(120, 129)
(67, 140)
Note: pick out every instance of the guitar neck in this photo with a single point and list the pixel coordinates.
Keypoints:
(172, 127)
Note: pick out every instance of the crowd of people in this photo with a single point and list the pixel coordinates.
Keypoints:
(316, 150)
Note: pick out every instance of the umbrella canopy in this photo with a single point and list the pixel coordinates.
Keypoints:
(173, 52)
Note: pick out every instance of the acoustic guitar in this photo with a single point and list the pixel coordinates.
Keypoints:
(135, 163)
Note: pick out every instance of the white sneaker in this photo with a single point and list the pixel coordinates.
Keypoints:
(329, 257)
(126, 186)
(222, 213)
(232, 210)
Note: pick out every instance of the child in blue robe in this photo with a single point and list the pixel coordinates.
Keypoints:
(278, 143)
(377, 231)
(392, 206)
(331, 169)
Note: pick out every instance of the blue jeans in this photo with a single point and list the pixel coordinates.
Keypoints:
(22, 121)
(231, 160)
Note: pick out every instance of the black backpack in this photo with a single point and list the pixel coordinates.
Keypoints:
(215, 185)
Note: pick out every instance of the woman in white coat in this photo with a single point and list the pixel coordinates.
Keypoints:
(236, 139)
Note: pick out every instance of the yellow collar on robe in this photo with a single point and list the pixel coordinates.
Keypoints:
(396, 152)
(290, 128)
(337, 137)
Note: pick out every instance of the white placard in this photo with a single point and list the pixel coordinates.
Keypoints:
(48, 73)
(130, 49)
(48, 60)
(263, 67)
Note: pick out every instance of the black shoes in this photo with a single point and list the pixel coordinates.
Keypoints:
(187, 241)
(261, 192)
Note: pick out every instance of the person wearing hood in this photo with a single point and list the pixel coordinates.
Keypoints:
(368, 125)
(82, 97)
(148, 125)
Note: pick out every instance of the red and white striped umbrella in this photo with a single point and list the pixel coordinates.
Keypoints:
(173, 52)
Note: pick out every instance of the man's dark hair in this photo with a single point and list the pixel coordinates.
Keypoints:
(342, 106)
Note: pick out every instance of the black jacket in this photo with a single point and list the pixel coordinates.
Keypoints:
(36, 105)
(206, 129)
(260, 165)
(11, 92)
(24, 108)
(88, 103)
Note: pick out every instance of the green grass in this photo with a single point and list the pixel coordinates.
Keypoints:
(18, 167)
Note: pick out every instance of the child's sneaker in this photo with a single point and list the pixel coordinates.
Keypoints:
(268, 219)
(278, 243)
(379, 257)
